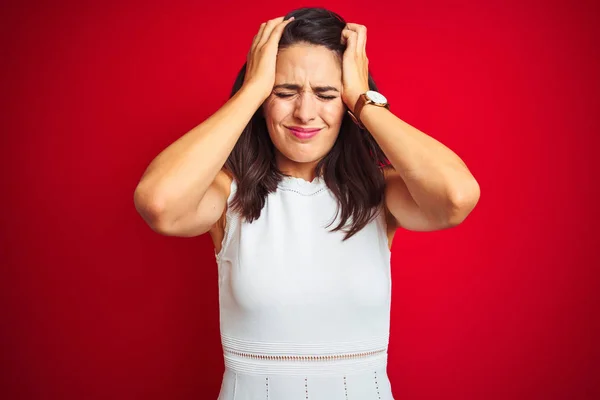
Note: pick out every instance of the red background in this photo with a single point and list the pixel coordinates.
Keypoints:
(95, 305)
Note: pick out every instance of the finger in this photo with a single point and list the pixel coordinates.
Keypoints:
(266, 33)
(361, 40)
(349, 38)
(354, 27)
(258, 35)
(278, 31)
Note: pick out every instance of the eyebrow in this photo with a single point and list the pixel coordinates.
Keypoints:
(292, 86)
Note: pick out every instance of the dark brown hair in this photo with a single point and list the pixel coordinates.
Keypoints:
(352, 169)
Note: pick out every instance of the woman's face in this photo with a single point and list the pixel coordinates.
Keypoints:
(305, 110)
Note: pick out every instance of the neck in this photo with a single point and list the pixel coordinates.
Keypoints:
(306, 171)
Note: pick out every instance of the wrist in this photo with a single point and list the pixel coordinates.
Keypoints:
(253, 94)
(367, 100)
(351, 101)
(256, 90)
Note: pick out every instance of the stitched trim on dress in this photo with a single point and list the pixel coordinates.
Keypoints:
(305, 357)
(300, 193)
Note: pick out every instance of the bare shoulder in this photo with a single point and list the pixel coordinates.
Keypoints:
(389, 172)
(222, 184)
(391, 223)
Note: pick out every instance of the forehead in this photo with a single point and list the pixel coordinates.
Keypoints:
(308, 64)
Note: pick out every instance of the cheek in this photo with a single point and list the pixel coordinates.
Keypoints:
(276, 111)
(333, 114)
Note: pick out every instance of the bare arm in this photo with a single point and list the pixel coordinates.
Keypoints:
(177, 181)
(431, 187)
(183, 192)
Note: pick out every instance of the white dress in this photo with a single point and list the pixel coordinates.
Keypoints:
(303, 315)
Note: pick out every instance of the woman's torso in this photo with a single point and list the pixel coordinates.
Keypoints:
(303, 314)
(218, 230)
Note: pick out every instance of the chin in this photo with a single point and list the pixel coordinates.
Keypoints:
(303, 157)
(303, 152)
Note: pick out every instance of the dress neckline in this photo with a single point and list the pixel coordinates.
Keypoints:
(302, 186)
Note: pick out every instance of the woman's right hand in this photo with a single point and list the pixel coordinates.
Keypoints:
(262, 57)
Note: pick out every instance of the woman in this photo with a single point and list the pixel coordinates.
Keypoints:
(301, 179)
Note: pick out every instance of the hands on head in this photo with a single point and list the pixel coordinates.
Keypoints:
(262, 58)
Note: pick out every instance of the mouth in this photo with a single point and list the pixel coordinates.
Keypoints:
(303, 133)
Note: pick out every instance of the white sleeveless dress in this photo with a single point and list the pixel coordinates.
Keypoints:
(303, 315)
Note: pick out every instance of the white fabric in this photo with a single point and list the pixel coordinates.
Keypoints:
(290, 287)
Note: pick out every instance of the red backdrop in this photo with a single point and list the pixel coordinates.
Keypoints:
(95, 305)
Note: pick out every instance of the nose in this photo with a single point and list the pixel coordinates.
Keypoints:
(306, 107)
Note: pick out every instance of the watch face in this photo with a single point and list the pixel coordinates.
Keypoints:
(376, 97)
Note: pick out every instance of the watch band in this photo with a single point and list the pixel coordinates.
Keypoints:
(363, 100)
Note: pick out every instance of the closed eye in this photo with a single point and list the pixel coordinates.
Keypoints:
(286, 95)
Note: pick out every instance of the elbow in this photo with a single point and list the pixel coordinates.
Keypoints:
(150, 209)
(462, 202)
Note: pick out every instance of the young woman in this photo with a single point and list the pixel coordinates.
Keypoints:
(301, 179)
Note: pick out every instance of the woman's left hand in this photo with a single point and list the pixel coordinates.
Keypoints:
(355, 64)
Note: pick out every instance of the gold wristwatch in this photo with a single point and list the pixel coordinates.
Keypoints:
(370, 97)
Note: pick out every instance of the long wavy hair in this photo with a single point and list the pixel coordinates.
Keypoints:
(352, 169)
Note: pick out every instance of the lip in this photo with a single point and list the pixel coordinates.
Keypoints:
(303, 133)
